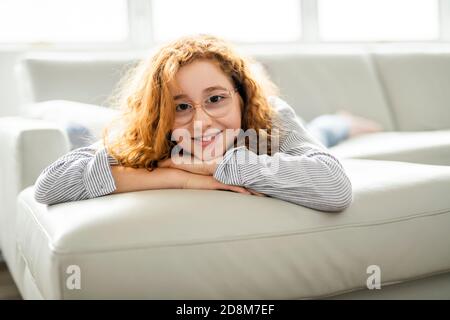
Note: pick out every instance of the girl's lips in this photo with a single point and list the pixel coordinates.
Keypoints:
(208, 142)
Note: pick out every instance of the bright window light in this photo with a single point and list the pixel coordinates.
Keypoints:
(237, 20)
(378, 20)
(63, 21)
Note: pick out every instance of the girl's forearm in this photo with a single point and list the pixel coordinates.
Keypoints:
(130, 179)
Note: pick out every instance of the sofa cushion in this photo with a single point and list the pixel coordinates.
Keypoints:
(190, 244)
(428, 147)
(83, 122)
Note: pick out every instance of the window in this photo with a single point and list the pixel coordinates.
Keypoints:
(144, 23)
(63, 21)
(378, 20)
(236, 20)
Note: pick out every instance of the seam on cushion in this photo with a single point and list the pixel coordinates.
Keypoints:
(375, 67)
(408, 151)
(58, 251)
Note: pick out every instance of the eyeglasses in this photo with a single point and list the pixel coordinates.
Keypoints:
(216, 105)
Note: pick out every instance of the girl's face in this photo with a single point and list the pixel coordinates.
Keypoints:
(204, 134)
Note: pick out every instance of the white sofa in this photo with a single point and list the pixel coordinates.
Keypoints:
(189, 244)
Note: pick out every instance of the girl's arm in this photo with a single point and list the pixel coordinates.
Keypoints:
(90, 172)
(87, 173)
(130, 179)
(81, 174)
(302, 172)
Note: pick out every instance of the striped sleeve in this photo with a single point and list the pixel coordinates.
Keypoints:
(81, 174)
(303, 171)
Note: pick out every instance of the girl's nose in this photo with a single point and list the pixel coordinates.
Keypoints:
(202, 116)
(201, 122)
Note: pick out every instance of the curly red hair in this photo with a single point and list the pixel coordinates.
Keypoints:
(148, 108)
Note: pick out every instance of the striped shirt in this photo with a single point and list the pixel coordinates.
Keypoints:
(306, 173)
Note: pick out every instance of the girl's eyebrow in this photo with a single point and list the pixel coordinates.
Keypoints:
(182, 95)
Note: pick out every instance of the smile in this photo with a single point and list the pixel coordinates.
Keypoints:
(206, 140)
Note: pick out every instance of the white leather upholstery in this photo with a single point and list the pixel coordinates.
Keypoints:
(28, 146)
(428, 147)
(224, 245)
(417, 85)
(316, 84)
(87, 78)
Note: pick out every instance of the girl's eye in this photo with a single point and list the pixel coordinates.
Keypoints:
(215, 99)
(182, 107)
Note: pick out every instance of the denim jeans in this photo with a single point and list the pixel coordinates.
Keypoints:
(330, 129)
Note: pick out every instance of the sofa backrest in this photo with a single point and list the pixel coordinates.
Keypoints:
(417, 86)
(403, 91)
(316, 84)
(87, 78)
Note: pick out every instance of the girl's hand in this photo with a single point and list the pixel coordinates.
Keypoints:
(206, 182)
(259, 194)
(194, 165)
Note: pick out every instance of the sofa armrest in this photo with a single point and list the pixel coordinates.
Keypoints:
(27, 147)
